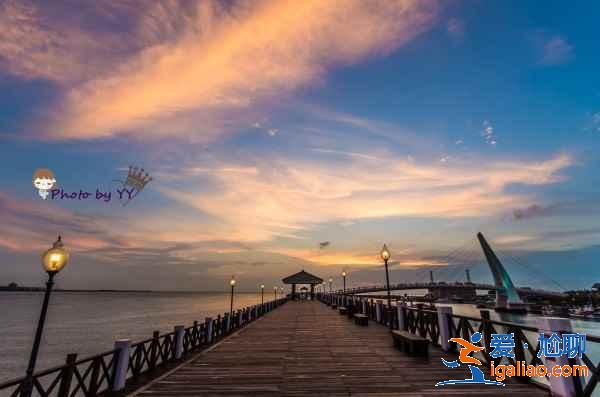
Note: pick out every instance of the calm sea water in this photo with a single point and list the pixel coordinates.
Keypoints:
(88, 323)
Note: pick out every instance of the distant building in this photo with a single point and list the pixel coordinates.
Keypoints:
(13, 285)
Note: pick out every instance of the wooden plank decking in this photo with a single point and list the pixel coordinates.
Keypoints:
(308, 349)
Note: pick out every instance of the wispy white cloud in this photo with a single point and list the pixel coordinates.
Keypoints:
(555, 50)
(348, 154)
(488, 133)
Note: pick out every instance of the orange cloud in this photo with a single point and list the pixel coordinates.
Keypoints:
(334, 258)
(285, 198)
(234, 59)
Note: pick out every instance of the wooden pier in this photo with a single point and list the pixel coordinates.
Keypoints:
(304, 348)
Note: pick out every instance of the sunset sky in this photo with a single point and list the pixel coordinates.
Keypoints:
(271, 126)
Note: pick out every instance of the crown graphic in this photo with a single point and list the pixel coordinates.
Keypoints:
(137, 178)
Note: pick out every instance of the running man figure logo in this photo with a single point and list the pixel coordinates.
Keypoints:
(464, 357)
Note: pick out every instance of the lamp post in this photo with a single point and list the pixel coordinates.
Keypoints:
(385, 255)
(275, 289)
(281, 291)
(262, 294)
(53, 261)
(344, 276)
(330, 281)
(232, 283)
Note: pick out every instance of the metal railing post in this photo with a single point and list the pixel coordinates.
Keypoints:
(444, 313)
(228, 322)
(179, 332)
(209, 329)
(560, 386)
(121, 364)
(402, 323)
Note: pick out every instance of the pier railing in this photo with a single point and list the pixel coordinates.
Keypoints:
(440, 324)
(109, 373)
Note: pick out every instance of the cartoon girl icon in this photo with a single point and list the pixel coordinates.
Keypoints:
(44, 181)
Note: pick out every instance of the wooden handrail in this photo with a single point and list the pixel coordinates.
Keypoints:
(93, 374)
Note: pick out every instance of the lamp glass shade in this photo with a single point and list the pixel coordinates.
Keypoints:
(262, 286)
(385, 253)
(55, 259)
(343, 274)
(330, 280)
(232, 282)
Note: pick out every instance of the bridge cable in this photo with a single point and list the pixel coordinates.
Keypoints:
(532, 270)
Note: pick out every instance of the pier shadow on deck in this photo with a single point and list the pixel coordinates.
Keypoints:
(308, 349)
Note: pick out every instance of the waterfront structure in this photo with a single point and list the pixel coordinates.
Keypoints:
(302, 277)
(507, 297)
(275, 356)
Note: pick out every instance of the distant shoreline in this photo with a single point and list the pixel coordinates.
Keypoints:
(41, 289)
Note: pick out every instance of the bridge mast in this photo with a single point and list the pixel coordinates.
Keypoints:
(507, 297)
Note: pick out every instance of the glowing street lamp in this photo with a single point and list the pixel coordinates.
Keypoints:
(344, 276)
(53, 260)
(330, 281)
(232, 283)
(385, 255)
(262, 294)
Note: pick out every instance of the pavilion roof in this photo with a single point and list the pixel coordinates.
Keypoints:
(302, 277)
